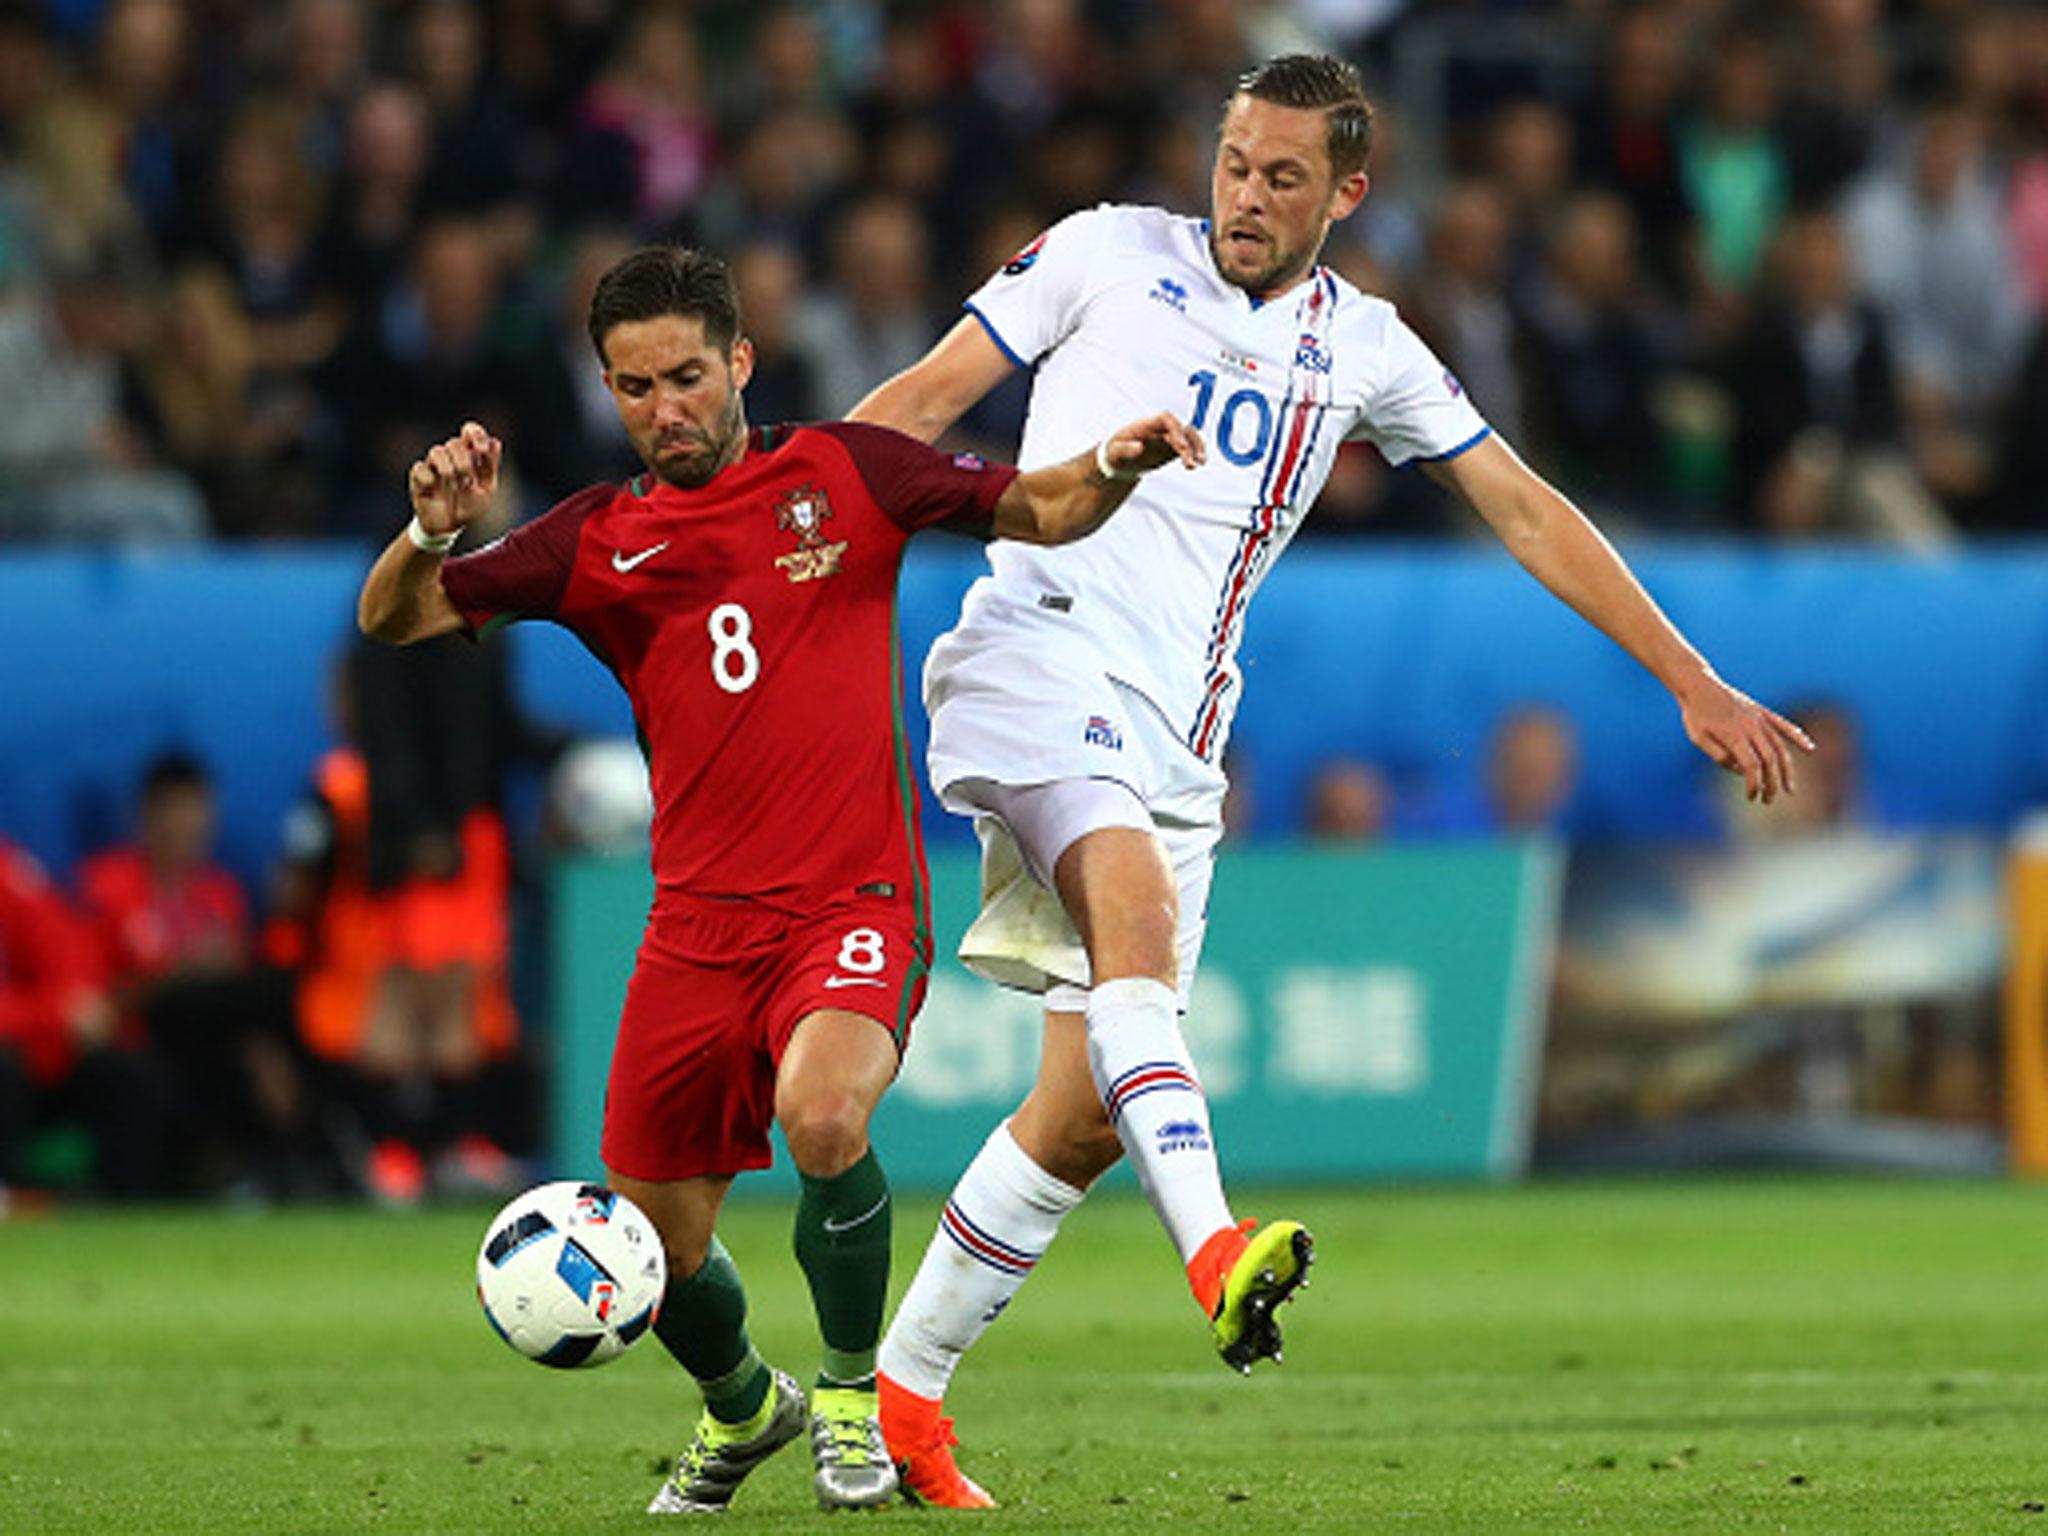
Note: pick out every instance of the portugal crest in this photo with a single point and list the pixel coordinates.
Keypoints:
(803, 512)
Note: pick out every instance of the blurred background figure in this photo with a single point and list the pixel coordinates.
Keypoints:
(1349, 801)
(62, 1058)
(1817, 407)
(872, 320)
(1532, 771)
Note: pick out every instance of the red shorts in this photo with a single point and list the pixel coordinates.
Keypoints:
(716, 993)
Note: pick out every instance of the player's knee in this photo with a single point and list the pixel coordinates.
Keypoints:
(686, 1253)
(827, 1133)
(1141, 940)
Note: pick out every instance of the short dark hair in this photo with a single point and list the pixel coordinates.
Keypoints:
(661, 280)
(1313, 80)
(174, 769)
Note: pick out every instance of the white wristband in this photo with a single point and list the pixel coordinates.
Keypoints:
(1109, 471)
(432, 543)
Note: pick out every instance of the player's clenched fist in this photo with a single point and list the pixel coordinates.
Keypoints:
(453, 485)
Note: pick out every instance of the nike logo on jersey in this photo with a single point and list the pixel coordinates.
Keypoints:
(854, 981)
(623, 562)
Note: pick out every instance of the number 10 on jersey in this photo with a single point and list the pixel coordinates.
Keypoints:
(1241, 440)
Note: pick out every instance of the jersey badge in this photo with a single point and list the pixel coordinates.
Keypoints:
(803, 512)
(1310, 354)
(1100, 732)
(1172, 293)
(1020, 263)
(1452, 385)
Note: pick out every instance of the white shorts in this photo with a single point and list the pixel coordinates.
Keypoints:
(1008, 708)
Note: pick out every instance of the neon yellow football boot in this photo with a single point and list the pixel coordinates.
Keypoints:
(1271, 1268)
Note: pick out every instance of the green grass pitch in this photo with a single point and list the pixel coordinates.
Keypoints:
(1626, 1357)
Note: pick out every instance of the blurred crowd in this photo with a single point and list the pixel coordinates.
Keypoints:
(1716, 266)
(350, 1030)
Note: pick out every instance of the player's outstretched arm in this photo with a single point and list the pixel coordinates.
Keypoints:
(451, 487)
(1070, 500)
(936, 390)
(1558, 545)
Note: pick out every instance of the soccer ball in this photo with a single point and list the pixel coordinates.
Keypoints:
(570, 1273)
(598, 798)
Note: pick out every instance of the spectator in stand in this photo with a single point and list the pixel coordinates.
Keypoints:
(430, 350)
(174, 931)
(378, 200)
(1928, 237)
(776, 191)
(1391, 224)
(473, 169)
(2015, 504)
(770, 280)
(264, 233)
(572, 437)
(1349, 801)
(1817, 405)
(1733, 166)
(1627, 139)
(1527, 782)
(1529, 161)
(119, 141)
(1532, 771)
(72, 464)
(60, 1055)
(325, 59)
(648, 112)
(1836, 109)
(1460, 304)
(2027, 190)
(913, 103)
(1595, 360)
(871, 321)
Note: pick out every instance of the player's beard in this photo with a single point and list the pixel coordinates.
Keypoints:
(716, 449)
(1282, 268)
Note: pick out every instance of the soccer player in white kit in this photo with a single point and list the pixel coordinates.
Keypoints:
(1080, 707)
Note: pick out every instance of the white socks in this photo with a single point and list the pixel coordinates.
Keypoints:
(1006, 1210)
(1003, 1215)
(1156, 1105)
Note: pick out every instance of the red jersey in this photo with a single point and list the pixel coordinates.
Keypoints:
(751, 622)
(47, 957)
(150, 930)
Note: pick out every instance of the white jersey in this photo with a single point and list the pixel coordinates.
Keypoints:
(1125, 314)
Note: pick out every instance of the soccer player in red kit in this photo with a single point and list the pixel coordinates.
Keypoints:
(742, 591)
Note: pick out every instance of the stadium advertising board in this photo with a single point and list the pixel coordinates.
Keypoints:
(1360, 1015)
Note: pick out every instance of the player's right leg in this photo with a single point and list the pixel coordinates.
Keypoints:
(750, 1411)
(687, 1106)
(1002, 1216)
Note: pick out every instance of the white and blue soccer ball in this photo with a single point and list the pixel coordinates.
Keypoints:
(571, 1273)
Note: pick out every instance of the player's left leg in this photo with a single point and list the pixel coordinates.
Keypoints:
(832, 1075)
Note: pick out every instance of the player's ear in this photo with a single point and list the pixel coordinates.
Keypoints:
(742, 363)
(1350, 193)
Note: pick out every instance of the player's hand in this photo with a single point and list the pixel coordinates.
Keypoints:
(453, 485)
(1743, 737)
(1155, 441)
